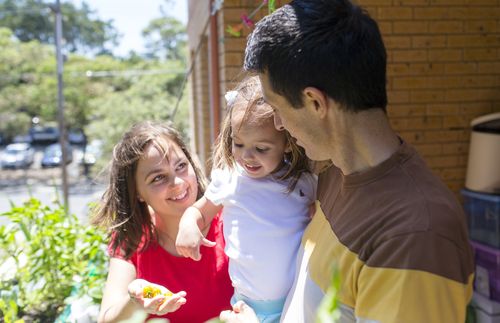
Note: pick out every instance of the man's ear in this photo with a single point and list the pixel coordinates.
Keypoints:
(316, 99)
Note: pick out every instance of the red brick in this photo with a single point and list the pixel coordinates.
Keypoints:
(436, 13)
(446, 27)
(480, 54)
(406, 110)
(428, 41)
(397, 42)
(398, 69)
(453, 174)
(412, 137)
(395, 13)
(385, 27)
(455, 122)
(441, 136)
(398, 96)
(442, 109)
(427, 96)
(409, 55)
(475, 109)
(442, 161)
(481, 26)
(448, 2)
(458, 148)
(410, 27)
(411, 2)
(471, 95)
(489, 67)
(429, 149)
(460, 68)
(375, 3)
(445, 55)
(426, 68)
(474, 41)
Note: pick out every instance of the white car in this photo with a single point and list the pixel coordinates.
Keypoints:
(19, 155)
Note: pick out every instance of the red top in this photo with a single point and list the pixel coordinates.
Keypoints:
(206, 282)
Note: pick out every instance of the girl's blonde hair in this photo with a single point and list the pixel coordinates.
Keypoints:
(248, 97)
(120, 211)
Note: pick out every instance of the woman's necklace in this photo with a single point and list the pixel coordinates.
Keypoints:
(167, 243)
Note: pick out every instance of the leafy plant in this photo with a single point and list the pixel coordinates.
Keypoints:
(47, 256)
(328, 311)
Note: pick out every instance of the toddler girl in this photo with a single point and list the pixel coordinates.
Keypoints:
(262, 182)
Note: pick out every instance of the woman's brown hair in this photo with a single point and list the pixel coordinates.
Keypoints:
(248, 96)
(120, 211)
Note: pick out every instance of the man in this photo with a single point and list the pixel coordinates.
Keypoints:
(396, 234)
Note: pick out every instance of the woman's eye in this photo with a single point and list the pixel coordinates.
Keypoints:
(158, 178)
(182, 166)
(238, 145)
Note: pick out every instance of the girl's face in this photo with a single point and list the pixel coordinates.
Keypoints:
(258, 148)
(168, 185)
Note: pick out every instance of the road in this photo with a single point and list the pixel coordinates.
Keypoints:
(17, 186)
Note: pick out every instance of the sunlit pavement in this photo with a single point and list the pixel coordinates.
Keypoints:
(17, 186)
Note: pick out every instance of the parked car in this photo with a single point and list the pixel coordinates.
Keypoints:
(41, 134)
(92, 152)
(77, 137)
(22, 139)
(18, 155)
(52, 156)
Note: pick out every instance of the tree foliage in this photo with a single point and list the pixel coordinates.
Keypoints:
(97, 89)
(165, 36)
(83, 31)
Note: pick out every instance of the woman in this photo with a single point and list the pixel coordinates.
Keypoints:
(153, 180)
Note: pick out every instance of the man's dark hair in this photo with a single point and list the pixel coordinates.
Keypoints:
(332, 45)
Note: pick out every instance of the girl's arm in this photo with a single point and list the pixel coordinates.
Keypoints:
(193, 221)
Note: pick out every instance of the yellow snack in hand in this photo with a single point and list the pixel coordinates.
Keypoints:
(151, 292)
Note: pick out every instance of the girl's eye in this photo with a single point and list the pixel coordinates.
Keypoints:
(261, 150)
(238, 145)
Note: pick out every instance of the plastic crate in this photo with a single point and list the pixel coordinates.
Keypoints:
(483, 217)
(486, 310)
(487, 275)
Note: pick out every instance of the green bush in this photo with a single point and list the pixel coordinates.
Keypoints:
(47, 259)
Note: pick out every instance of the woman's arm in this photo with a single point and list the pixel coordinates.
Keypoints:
(193, 221)
(116, 303)
(123, 295)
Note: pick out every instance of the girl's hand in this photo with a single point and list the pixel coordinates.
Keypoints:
(241, 313)
(189, 238)
(160, 304)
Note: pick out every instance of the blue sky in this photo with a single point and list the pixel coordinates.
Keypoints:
(131, 16)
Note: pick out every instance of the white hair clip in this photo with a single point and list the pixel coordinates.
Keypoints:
(230, 97)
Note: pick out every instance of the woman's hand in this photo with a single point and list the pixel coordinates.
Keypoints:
(241, 313)
(189, 238)
(161, 304)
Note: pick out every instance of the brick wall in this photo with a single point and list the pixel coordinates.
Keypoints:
(443, 71)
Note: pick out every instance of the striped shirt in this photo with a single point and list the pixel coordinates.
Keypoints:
(397, 236)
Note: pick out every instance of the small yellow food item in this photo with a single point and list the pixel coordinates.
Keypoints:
(151, 292)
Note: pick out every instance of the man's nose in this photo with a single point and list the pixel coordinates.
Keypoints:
(277, 122)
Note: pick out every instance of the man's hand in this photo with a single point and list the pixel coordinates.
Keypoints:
(189, 238)
(241, 313)
(162, 303)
